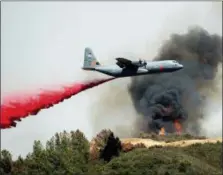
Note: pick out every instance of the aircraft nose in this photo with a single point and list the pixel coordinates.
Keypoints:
(180, 66)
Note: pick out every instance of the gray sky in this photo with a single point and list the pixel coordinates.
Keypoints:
(43, 43)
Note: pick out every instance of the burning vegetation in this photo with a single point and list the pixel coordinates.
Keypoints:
(173, 102)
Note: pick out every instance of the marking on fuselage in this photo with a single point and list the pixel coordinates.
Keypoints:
(161, 68)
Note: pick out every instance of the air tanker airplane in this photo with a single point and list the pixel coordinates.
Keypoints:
(126, 68)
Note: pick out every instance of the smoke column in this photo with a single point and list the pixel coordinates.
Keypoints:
(182, 94)
(17, 107)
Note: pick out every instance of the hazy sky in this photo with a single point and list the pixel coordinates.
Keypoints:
(43, 44)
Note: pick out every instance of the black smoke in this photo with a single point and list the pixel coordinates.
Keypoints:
(162, 98)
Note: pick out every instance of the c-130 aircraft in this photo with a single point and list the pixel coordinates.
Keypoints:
(126, 68)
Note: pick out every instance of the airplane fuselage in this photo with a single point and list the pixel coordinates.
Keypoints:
(149, 68)
(126, 68)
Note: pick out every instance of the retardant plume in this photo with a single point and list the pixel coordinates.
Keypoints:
(181, 95)
(17, 107)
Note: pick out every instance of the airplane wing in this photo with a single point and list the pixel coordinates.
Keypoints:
(123, 62)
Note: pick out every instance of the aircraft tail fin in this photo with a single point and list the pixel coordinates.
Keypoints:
(90, 61)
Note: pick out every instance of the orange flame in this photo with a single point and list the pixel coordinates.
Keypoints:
(178, 126)
(162, 131)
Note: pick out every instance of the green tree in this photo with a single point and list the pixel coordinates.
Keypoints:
(20, 167)
(5, 162)
(68, 153)
(65, 153)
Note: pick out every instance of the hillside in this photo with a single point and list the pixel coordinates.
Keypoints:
(72, 153)
(150, 143)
